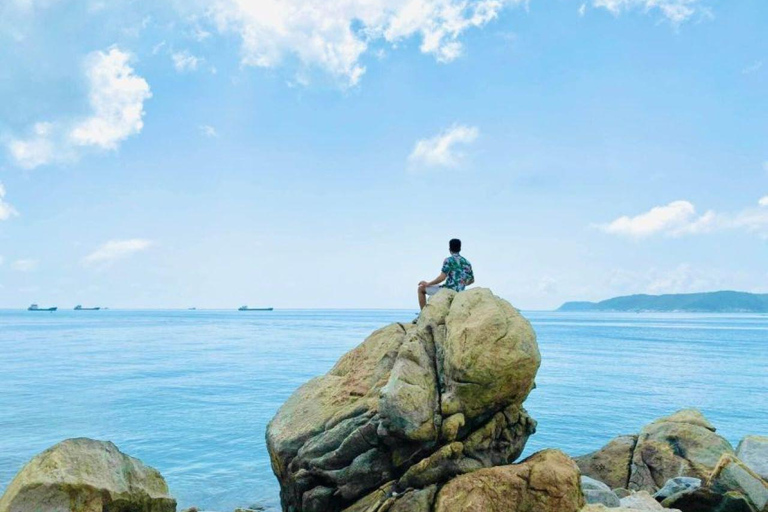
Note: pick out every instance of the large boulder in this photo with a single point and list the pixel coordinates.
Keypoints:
(683, 444)
(611, 463)
(83, 475)
(547, 481)
(732, 475)
(753, 451)
(411, 407)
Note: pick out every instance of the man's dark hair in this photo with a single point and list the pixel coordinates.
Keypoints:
(454, 245)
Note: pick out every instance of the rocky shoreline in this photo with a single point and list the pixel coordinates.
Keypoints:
(429, 417)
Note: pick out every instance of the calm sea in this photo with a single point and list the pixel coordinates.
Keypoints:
(191, 392)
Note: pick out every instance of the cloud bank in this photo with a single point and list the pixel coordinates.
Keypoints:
(333, 35)
(680, 218)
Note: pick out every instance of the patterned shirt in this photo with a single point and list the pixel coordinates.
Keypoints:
(459, 272)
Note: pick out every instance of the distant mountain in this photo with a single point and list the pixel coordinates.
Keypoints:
(710, 302)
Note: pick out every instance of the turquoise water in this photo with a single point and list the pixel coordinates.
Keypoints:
(191, 392)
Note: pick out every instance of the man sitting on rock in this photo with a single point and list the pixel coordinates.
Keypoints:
(457, 274)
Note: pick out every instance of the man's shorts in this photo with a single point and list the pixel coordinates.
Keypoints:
(431, 290)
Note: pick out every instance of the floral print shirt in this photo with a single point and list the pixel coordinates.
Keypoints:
(459, 272)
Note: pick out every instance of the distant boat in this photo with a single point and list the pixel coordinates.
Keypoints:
(192, 309)
(81, 308)
(246, 308)
(35, 307)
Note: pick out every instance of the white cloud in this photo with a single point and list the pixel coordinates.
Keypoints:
(116, 96)
(673, 218)
(440, 150)
(680, 218)
(24, 265)
(6, 210)
(209, 131)
(185, 61)
(115, 250)
(675, 11)
(334, 35)
(582, 10)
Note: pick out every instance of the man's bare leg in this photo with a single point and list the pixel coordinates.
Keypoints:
(422, 296)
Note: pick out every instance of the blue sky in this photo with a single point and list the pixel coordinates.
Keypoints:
(321, 153)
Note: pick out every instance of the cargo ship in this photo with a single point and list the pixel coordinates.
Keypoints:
(35, 307)
(81, 308)
(246, 308)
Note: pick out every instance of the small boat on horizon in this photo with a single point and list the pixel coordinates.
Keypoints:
(246, 308)
(35, 307)
(81, 308)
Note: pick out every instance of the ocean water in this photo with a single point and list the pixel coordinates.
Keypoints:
(191, 392)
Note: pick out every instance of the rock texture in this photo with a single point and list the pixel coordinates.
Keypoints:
(677, 485)
(683, 444)
(410, 408)
(545, 482)
(83, 475)
(611, 463)
(640, 500)
(603, 508)
(706, 500)
(732, 475)
(753, 451)
(596, 492)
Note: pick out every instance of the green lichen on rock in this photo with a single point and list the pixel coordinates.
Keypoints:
(682, 444)
(547, 481)
(410, 408)
(84, 475)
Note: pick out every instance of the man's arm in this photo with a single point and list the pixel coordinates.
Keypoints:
(439, 279)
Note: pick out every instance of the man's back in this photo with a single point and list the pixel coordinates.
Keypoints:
(458, 271)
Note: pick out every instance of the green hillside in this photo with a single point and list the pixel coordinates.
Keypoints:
(710, 302)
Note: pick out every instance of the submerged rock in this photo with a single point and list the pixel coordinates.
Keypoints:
(410, 408)
(83, 475)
